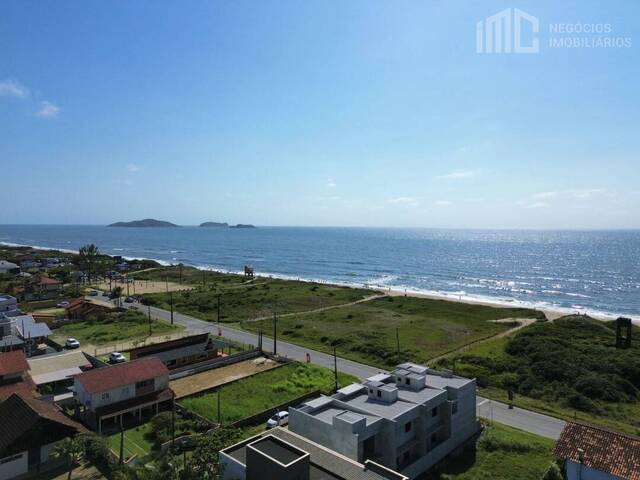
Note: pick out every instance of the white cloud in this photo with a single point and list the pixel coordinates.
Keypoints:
(331, 183)
(13, 88)
(48, 110)
(403, 200)
(545, 195)
(586, 192)
(539, 205)
(132, 167)
(456, 174)
(442, 203)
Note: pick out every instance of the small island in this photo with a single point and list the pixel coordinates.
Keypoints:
(214, 224)
(146, 223)
(225, 225)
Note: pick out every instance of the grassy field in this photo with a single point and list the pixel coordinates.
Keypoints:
(190, 276)
(262, 391)
(501, 453)
(568, 368)
(136, 441)
(113, 327)
(366, 332)
(257, 300)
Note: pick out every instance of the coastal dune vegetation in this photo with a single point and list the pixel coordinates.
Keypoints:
(568, 368)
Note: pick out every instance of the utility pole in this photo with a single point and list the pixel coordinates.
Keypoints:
(128, 287)
(121, 461)
(171, 303)
(335, 367)
(398, 343)
(218, 308)
(149, 312)
(219, 416)
(173, 419)
(275, 334)
(166, 282)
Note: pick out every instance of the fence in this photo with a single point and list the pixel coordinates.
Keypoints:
(266, 414)
(214, 363)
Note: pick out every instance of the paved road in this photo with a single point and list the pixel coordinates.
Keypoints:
(533, 422)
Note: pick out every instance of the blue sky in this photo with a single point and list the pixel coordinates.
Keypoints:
(368, 113)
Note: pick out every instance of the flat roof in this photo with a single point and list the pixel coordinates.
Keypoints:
(277, 449)
(59, 361)
(381, 409)
(325, 464)
(326, 415)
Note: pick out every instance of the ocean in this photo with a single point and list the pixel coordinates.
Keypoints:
(593, 272)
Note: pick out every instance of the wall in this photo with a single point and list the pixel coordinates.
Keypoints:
(233, 470)
(576, 471)
(15, 467)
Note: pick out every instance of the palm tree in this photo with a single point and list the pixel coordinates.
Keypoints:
(88, 256)
(71, 450)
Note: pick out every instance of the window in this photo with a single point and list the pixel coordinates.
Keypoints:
(11, 459)
(371, 390)
(454, 408)
(434, 411)
(407, 381)
(407, 427)
(125, 391)
(105, 396)
(379, 393)
(144, 383)
(405, 456)
(434, 439)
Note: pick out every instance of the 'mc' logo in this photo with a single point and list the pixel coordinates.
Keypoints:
(502, 32)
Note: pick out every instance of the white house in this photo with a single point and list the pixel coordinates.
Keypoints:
(130, 388)
(8, 267)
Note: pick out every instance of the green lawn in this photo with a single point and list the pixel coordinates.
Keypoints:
(568, 368)
(113, 327)
(262, 391)
(136, 441)
(366, 332)
(261, 299)
(190, 276)
(501, 453)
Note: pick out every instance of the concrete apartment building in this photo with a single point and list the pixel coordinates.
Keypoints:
(406, 421)
(128, 389)
(281, 454)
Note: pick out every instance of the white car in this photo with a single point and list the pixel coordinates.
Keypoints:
(280, 418)
(62, 304)
(72, 343)
(116, 357)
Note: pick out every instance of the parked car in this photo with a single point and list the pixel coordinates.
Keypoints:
(280, 418)
(129, 300)
(72, 343)
(62, 304)
(93, 293)
(116, 357)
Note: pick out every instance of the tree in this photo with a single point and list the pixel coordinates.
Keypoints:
(553, 473)
(117, 294)
(88, 257)
(69, 449)
(205, 462)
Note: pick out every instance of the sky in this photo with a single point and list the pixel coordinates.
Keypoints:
(341, 113)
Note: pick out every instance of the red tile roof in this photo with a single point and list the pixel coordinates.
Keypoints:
(107, 378)
(610, 452)
(13, 362)
(49, 281)
(26, 387)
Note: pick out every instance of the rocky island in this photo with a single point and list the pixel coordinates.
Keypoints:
(146, 223)
(214, 224)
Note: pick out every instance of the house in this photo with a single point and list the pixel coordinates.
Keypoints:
(8, 304)
(14, 375)
(56, 371)
(596, 453)
(26, 264)
(407, 420)
(282, 454)
(81, 308)
(8, 267)
(31, 428)
(179, 352)
(117, 393)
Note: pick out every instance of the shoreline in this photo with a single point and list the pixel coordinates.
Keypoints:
(550, 311)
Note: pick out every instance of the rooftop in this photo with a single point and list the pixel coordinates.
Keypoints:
(601, 449)
(13, 362)
(107, 378)
(325, 464)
